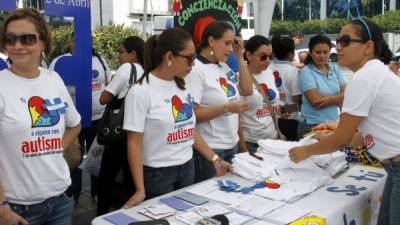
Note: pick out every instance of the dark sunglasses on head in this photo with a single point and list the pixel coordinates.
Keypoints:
(190, 58)
(345, 40)
(265, 57)
(25, 39)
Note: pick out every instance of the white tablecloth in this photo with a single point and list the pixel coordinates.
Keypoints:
(353, 196)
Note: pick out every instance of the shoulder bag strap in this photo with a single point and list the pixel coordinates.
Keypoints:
(269, 106)
(104, 67)
(132, 77)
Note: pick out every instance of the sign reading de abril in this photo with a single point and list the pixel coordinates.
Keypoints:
(188, 12)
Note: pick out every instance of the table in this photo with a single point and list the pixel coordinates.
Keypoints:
(352, 199)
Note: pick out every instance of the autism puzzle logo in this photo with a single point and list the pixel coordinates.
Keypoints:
(44, 113)
(268, 91)
(181, 111)
(278, 79)
(228, 88)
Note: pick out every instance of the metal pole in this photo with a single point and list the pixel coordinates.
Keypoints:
(383, 7)
(282, 8)
(144, 22)
(101, 12)
(309, 9)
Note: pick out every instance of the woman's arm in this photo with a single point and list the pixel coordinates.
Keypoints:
(245, 82)
(70, 134)
(106, 97)
(321, 101)
(204, 114)
(220, 166)
(135, 161)
(7, 216)
(342, 137)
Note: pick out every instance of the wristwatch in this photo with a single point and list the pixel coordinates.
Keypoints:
(216, 160)
(4, 202)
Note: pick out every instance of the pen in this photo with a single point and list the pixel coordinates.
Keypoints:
(276, 172)
(256, 156)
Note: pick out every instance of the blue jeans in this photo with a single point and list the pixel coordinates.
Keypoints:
(159, 181)
(53, 211)
(251, 147)
(389, 212)
(204, 169)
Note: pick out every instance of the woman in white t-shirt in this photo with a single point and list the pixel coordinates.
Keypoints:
(216, 88)
(115, 156)
(371, 106)
(256, 123)
(38, 121)
(160, 120)
(286, 78)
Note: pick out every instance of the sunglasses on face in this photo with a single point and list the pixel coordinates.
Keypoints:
(345, 40)
(25, 39)
(264, 57)
(190, 58)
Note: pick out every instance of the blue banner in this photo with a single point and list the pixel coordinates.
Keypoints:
(6, 5)
(76, 70)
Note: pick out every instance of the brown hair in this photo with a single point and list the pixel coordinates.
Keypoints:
(171, 40)
(215, 30)
(33, 16)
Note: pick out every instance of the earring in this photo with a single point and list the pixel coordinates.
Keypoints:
(43, 55)
(169, 63)
(211, 53)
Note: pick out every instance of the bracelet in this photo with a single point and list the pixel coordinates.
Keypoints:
(4, 202)
(216, 160)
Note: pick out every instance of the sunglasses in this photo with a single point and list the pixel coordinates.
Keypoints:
(264, 57)
(345, 40)
(190, 58)
(25, 39)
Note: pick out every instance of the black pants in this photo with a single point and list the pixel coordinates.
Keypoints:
(288, 128)
(114, 158)
(86, 137)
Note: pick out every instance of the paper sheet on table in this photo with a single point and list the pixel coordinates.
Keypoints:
(256, 206)
(237, 219)
(227, 197)
(189, 217)
(204, 188)
(286, 214)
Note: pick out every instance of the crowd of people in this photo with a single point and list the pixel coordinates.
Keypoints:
(187, 113)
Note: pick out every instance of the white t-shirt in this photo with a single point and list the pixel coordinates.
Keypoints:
(257, 121)
(373, 93)
(287, 81)
(119, 85)
(33, 117)
(164, 114)
(99, 80)
(214, 85)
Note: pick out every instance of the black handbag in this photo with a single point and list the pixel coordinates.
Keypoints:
(110, 129)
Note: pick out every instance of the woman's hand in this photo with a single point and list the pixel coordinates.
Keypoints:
(330, 126)
(221, 167)
(238, 106)
(137, 198)
(300, 153)
(238, 46)
(9, 217)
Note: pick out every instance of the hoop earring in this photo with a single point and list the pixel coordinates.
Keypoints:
(169, 64)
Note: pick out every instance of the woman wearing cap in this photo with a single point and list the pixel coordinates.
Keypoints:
(371, 105)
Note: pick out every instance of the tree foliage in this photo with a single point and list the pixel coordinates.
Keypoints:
(106, 41)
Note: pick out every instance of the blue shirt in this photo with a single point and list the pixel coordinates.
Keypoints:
(312, 78)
